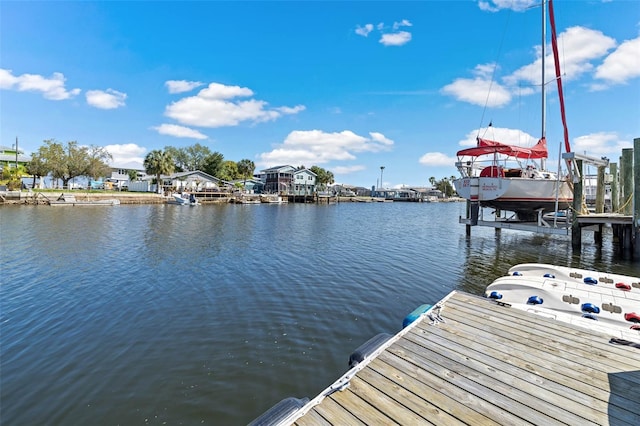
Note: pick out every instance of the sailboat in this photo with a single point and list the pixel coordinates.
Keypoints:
(511, 177)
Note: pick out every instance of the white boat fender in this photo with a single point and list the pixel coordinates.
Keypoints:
(279, 412)
(368, 348)
(590, 308)
(590, 281)
(534, 300)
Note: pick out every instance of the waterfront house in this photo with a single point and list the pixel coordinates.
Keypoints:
(278, 179)
(251, 186)
(193, 181)
(401, 194)
(304, 182)
(10, 157)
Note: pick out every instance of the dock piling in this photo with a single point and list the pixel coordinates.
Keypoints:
(636, 197)
(576, 231)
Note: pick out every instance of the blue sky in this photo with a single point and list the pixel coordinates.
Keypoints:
(348, 86)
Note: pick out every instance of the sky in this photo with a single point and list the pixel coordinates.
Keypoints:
(349, 86)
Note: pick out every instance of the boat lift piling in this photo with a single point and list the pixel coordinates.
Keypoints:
(636, 196)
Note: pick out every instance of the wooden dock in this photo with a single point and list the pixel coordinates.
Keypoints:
(487, 364)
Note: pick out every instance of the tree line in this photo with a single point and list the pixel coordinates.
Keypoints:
(67, 161)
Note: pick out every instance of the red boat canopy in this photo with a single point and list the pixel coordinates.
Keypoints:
(486, 147)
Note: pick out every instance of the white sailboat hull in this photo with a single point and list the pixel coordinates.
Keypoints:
(516, 194)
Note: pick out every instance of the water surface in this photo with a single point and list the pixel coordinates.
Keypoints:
(161, 314)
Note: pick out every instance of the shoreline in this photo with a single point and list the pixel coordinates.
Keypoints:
(43, 198)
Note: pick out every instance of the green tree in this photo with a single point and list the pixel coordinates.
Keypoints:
(133, 175)
(444, 185)
(64, 162)
(179, 157)
(196, 156)
(432, 181)
(213, 164)
(159, 163)
(246, 168)
(13, 177)
(323, 177)
(229, 171)
(36, 167)
(98, 158)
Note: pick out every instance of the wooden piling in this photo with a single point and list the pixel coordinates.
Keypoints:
(626, 181)
(636, 195)
(615, 200)
(600, 190)
(576, 232)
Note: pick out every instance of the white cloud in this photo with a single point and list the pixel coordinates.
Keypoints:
(479, 90)
(436, 159)
(345, 170)
(364, 31)
(403, 23)
(214, 106)
(499, 134)
(602, 144)
(395, 39)
(318, 147)
(179, 131)
(51, 88)
(580, 47)
(496, 5)
(106, 99)
(127, 155)
(181, 86)
(621, 65)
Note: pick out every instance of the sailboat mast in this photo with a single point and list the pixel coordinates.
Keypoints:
(543, 133)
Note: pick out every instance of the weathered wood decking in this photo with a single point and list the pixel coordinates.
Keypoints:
(490, 364)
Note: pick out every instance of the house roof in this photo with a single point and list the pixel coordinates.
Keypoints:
(279, 169)
(11, 158)
(306, 171)
(5, 148)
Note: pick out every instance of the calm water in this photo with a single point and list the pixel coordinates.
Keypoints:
(212, 314)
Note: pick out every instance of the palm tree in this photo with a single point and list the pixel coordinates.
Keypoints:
(158, 163)
(246, 168)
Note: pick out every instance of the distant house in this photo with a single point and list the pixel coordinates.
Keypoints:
(402, 194)
(278, 179)
(10, 157)
(304, 182)
(181, 181)
(252, 186)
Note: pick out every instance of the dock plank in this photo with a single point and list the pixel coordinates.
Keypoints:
(489, 364)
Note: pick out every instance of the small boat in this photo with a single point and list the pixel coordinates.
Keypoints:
(70, 200)
(609, 303)
(272, 199)
(181, 200)
(511, 177)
